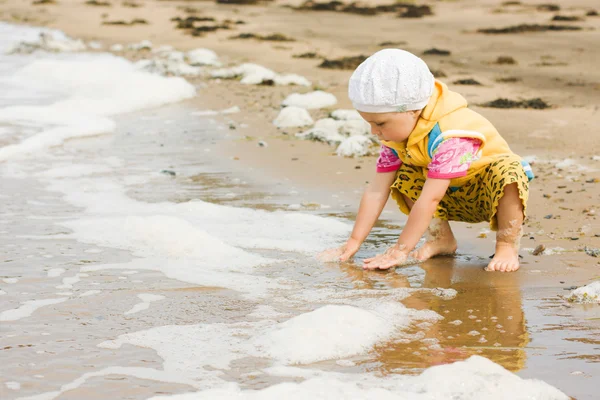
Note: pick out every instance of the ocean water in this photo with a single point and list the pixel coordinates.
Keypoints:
(135, 264)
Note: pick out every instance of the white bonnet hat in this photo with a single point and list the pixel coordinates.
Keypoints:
(391, 80)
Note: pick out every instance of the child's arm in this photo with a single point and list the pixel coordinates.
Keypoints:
(371, 204)
(419, 219)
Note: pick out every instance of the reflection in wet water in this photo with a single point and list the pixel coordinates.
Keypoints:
(485, 318)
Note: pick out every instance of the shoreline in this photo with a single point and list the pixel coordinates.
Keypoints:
(310, 164)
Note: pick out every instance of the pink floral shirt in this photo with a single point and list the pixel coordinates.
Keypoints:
(451, 159)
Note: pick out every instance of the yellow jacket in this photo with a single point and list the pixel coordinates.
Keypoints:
(445, 116)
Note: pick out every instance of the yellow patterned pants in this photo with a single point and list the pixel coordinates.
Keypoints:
(475, 201)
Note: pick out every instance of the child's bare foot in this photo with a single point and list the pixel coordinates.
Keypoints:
(440, 240)
(438, 247)
(506, 258)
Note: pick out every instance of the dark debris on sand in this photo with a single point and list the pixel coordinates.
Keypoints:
(392, 44)
(136, 21)
(404, 10)
(437, 52)
(537, 104)
(416, 12)
(548, 7)
(509, 79)
(43, 2)
(468, 81)
(98, 3)
(505, 60)
(343, 63)
(438, 73)
(523, 28)
(189, 24)
(566, 18)
(310, 55)
(201, 30)
(275, 37)
(592, 13)
(239, 2)
(190, 10)
(512, 3)
(131, 4)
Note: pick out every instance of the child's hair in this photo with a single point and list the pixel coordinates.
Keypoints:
(391, 80)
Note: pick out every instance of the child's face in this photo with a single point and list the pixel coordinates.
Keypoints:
(392, 126)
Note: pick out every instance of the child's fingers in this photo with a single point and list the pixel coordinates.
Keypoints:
(376, 263)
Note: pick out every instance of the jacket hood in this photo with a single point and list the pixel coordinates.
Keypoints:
(443, 101)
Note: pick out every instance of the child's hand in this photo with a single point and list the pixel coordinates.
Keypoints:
(342, 253)
(392, 257)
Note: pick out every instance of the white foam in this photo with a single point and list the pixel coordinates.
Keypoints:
(136, 372)
(145, 304)
(202, 56)
(168, 66)
(2, 292)
(178, 346)
(13, 385)
(334, 331)
(292, 117)
(90, 293)
(586, 294)
(309, 101)
(143, 45)
(315, 334)
(231, 110)
(291, 79)
(325, 130)
(49, 40)
(27, 308)
(87, 90)
(117, 48)
(252, 74)
(473, 379)
(355, 146)
(10, 280)
(68, 282)
(68, 171)
(346, 115)
(355, 127)
(266, 312)
(56, 272)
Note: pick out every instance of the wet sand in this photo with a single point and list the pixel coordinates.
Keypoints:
(527, 327)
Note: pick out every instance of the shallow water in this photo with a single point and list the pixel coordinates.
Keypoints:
(98, 224)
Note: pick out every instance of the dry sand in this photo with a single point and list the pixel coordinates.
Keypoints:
(561, 67)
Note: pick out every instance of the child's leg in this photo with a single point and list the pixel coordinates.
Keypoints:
(508, 237)
(440, 239)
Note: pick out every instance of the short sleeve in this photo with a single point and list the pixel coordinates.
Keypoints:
(388, 160)
(453, 157)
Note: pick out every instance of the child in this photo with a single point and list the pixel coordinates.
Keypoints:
(440, 160)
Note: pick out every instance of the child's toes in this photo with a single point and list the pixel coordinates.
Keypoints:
(513, 267)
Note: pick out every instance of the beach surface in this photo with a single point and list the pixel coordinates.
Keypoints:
(154, 245)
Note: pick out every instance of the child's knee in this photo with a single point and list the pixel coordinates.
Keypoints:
(512, 195)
